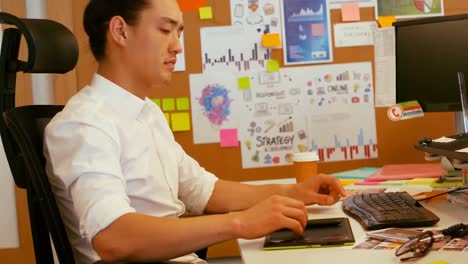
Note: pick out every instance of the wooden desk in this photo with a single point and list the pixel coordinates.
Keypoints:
(252, 250)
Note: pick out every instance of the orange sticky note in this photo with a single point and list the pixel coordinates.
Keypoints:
(190, 5)
(205, 12)
(350, 12)
(228, 137)
(271, 40)
(386, 21)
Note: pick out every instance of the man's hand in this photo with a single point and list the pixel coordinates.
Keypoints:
(320, 189)
(276, 212)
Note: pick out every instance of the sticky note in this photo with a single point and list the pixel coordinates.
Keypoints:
(180, 121)
(273, 66)
(317, 29)
(350, 12)
(244, 83)
(205, 12)
(157, 102)
(182, 103)
(386, 21)
(168, 104)
(271, 40)
(228, 137)
(190, 5)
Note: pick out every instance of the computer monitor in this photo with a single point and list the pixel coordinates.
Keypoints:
(430, 52)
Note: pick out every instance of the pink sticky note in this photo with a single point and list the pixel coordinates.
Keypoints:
(317, 30)
(228, 137)
(350, 12)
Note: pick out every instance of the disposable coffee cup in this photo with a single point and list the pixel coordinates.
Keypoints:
(305, 165)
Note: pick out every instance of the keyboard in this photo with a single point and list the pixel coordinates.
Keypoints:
(392, 209)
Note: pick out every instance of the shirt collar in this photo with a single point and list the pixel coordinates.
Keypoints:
(119, 99)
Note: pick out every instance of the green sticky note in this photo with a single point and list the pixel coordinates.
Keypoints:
(182, 103)
(205, 12)
(168, 104)
(273, 66)
(244, 83)
(180, 121)
(157, 101)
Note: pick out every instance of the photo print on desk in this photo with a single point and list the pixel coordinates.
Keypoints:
(306, 32)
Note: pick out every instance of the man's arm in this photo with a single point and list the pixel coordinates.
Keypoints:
(234, 196)
(137, 237)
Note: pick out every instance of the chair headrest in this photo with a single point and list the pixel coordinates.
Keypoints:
(52, 47)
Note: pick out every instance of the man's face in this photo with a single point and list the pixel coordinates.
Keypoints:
(153, 43)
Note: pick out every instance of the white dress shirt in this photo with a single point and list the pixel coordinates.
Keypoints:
(110, 153)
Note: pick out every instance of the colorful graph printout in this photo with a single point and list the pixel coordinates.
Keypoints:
(232, 48)
(338, 121)
(306, 32)
(328, 108)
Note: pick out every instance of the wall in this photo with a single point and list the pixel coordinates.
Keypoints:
(395, 139)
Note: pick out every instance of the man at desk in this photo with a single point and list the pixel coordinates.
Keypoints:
(120, 178)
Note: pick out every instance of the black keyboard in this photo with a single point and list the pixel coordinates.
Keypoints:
(392, 209)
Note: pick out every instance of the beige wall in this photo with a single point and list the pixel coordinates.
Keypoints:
(69, 12)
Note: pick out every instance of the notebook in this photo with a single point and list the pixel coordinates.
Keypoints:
(318, 233)
(407, 171)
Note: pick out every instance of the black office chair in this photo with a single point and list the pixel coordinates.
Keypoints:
(52, 48)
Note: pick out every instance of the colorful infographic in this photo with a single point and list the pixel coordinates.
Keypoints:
(306, 32)
(328, 108)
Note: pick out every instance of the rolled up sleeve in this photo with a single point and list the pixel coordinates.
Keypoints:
(85, 156)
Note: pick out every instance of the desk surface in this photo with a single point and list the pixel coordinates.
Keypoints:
(252, 250)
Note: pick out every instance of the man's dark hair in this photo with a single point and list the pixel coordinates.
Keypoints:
(98, 13)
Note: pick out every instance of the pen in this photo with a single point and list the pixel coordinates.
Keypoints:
(324, 223)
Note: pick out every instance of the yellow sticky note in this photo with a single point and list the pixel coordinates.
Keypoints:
(244, 83)
(273, 66)
(182, 103)
(386, 21)
(180, 121)
(350, 12)
(168, 104)
(205, 12)
(157, 102)
(168, 118)
(271, 40)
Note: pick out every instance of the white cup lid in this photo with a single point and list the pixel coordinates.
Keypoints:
(306, 156)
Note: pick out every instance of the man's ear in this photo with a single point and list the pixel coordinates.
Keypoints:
(118, 30)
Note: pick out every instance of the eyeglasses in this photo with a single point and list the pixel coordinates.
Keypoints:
(416, 247)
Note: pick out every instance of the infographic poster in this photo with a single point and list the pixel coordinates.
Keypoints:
(306, 32)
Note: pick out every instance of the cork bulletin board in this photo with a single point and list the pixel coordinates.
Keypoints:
(395, 139)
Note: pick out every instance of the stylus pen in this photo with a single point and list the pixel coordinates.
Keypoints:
(324, 223)
(436, 237)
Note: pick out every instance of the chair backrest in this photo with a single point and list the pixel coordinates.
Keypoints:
(26, 127)
(52, 48)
